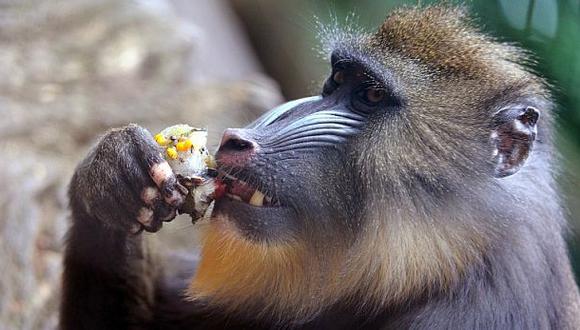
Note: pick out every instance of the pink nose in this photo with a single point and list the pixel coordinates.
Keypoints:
(236, 144)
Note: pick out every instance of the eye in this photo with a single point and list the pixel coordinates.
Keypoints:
(371, 96)
(375, 95)
(338, 77)
(367, 99)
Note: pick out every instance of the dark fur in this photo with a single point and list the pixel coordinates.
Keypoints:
(405, 197)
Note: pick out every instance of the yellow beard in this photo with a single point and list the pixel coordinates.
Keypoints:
(286, 281)
(239, 274)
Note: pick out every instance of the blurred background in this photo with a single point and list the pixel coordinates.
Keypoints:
(70, 70)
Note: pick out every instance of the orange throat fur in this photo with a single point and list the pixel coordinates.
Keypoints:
(289, 280)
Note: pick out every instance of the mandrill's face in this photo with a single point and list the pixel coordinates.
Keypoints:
(380, 188)
(310, 188)
(295, 197)
(295, 173)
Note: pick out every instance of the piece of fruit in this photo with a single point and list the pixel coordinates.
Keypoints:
(187, 155)
(171, 153)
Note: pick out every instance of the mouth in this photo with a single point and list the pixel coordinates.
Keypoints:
(257, 215)
(247, 192)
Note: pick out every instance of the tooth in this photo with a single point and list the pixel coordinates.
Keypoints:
(268, 199)
(257, 198)
(236, 197)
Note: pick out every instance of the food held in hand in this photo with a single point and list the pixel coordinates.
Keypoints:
(186, 152)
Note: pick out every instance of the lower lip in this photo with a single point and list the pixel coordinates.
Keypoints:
(256, 222)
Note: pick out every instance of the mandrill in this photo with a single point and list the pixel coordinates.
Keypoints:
(416, 191)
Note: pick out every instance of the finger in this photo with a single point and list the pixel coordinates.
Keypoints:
(159, 170)
(148, 154)
(164, 211)
(160, 173)
(171, 190)
(149, 195)
(171, 193)
(146, 217)
(150, 220)
(182, 189)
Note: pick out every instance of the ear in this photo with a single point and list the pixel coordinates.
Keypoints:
(513, 134)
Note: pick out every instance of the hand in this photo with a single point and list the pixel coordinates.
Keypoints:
(124, 183)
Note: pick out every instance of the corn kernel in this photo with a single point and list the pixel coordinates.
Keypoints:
(161, 140)
(184, 145)
(210, 162)
(171, 153)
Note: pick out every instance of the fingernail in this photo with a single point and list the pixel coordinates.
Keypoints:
(182, 189)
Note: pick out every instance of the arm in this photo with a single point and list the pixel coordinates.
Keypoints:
(120, 189)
